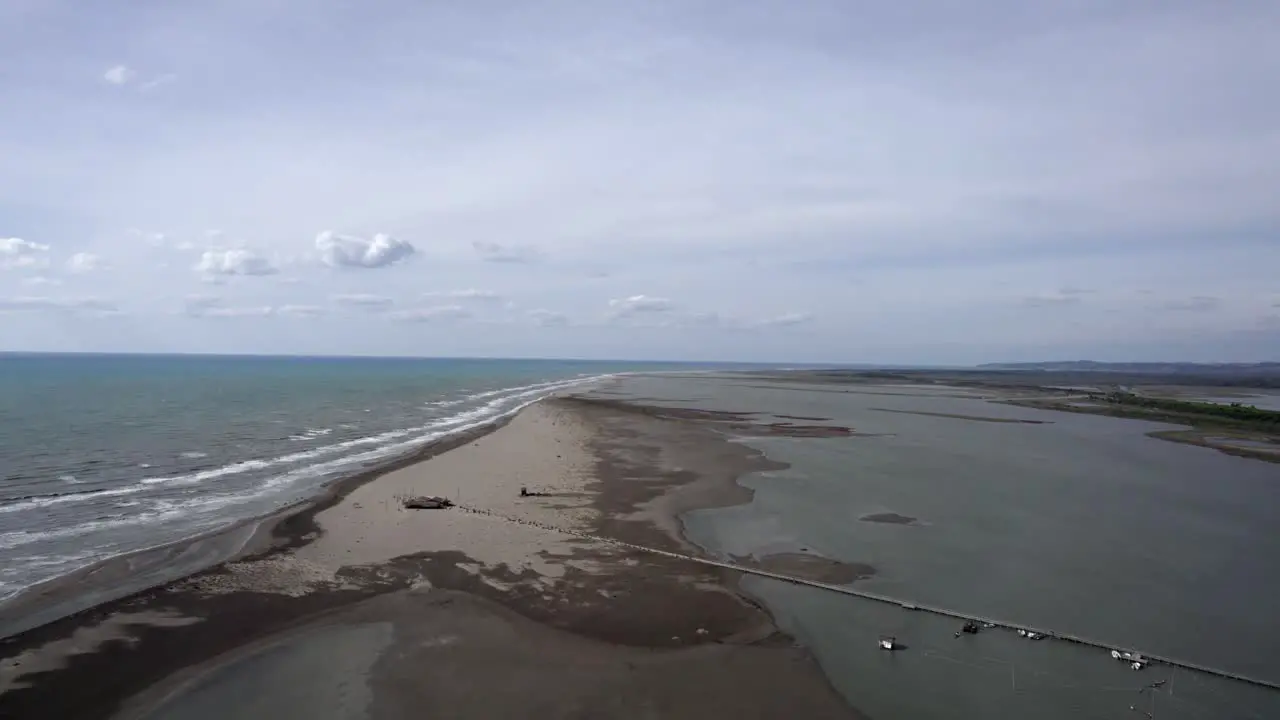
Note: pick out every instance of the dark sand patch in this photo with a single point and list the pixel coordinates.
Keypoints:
(791, 389)
(803, 417)
(648, 473)
(659, 411)
(977, 418)
(734, 422)
(484, 661)
(1254, 446)
(890, 519)
(812, 567)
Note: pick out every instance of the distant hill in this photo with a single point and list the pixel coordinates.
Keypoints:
(1145, 368)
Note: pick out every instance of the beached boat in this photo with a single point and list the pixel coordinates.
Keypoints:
(427, 502)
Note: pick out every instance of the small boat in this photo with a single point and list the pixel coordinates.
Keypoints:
(888, 642)
(1031, 635)
(1135, 660)
(970, 627)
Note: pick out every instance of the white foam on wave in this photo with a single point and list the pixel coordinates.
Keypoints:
(444, 403)
(390, 442)
(491, 411)
(311, 434)
(193, 455)
(49, 500)
(159, 511)
(379, 439)
(25, 569)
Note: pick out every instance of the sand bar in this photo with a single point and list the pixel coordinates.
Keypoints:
(446, 612)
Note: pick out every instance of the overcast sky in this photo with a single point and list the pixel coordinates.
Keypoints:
(923, 182)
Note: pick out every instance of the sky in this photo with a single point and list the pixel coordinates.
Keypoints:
(803, 180)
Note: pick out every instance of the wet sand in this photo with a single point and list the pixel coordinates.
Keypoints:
(444, 612)
(889, 518)
(813, 567)
(953, 416)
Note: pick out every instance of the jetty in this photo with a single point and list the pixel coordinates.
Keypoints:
(911, 606)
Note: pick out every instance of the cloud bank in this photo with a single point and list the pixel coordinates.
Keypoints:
(865, 182)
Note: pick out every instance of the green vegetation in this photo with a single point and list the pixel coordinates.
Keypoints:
(1235, 414)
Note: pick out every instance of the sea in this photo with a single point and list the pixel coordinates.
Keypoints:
(104, 455)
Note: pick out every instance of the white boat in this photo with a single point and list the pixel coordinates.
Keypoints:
(888, 642)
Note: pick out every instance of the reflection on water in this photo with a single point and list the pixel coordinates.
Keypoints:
(1082, 524)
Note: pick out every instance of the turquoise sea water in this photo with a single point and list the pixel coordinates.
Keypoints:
(101, 455)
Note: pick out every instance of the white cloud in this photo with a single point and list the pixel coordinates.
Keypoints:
(239, 311)
(469, 294)
(83, 262)
(36, 304)
(440, 312)
(351, 251)
(788, 320)
(119, 75)
(212, 306)
(494, 252)
(19, 253)
(548, 318)
(640, 304)
(41, 281)
(301, 310)
(365, 301)
(237, 261)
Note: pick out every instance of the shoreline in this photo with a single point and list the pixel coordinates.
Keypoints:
(623, 475)
(265, 534)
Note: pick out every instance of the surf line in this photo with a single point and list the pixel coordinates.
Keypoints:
(865, 595)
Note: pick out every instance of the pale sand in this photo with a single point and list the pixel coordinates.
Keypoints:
(544, 448)
(370, 525)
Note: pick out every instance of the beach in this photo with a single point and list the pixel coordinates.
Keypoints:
(352, 605)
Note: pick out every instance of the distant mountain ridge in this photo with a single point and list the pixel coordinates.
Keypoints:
(1153, 368)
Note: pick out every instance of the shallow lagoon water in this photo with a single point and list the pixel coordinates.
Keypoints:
(1082, 524)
